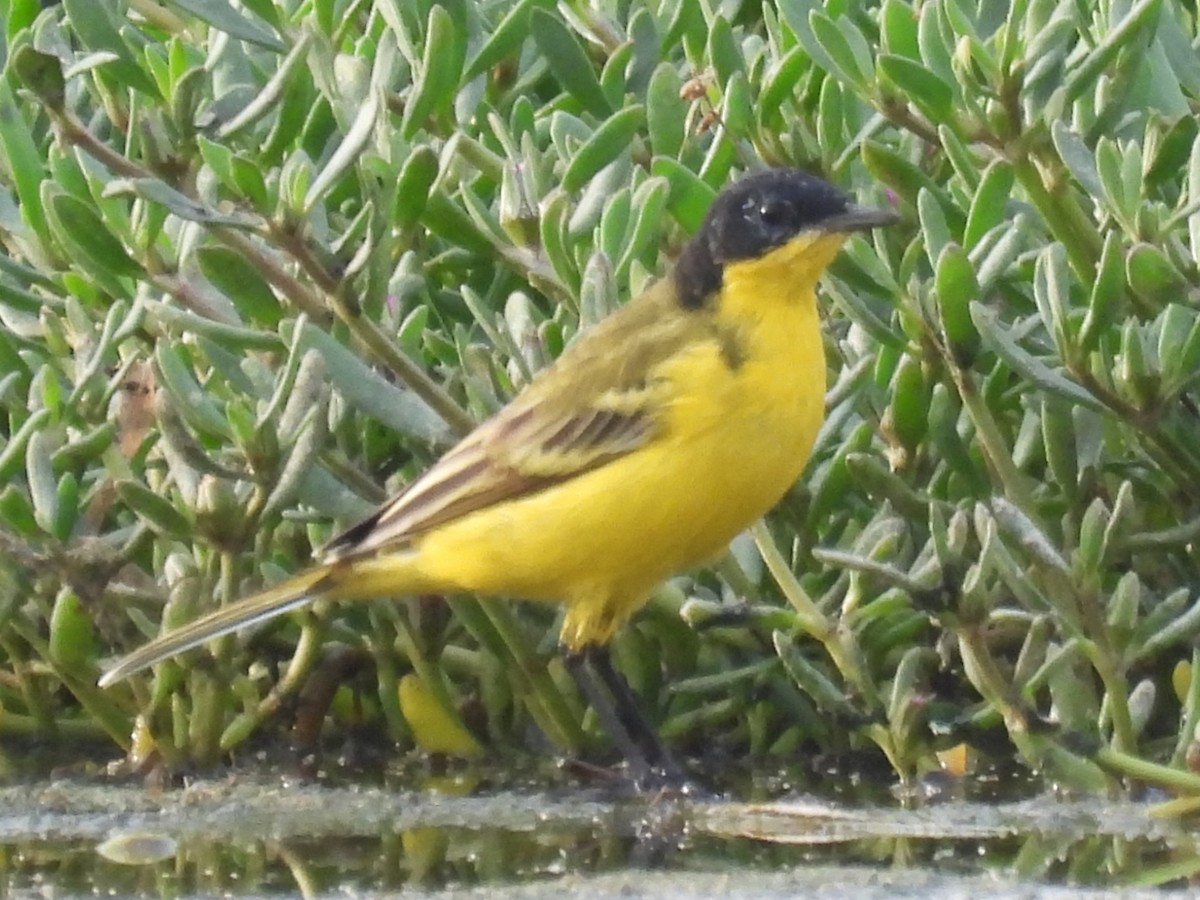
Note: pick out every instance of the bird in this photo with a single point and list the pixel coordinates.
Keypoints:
(657, 436)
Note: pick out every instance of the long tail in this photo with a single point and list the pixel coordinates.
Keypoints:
(382, 575)
(283, 597)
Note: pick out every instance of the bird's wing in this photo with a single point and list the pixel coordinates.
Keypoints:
(508, 457)
(600, 401)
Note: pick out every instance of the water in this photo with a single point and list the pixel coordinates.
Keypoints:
(274, 835)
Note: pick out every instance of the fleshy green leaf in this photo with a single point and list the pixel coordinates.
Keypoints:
(919, 85)
(220, 15)
(241, 283)
(1024, 363)
(505, 39)
(609, 141)
(568, 62)
(441, 67)
(94, 24)
(690, 197)
(82, 232)
(988, 206)
(957, 288)
(1152, 275)
(400, 410)
(666, 111)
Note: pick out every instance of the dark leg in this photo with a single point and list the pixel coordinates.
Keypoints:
(620, 715)
(629, 711)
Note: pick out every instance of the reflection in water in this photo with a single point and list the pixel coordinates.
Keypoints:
(431, 857)
(238, 838)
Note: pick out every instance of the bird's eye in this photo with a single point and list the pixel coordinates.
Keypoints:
(774, 213)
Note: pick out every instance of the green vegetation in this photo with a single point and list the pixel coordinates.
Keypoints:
(261, 264)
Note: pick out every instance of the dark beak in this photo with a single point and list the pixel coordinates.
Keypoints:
(858, 218)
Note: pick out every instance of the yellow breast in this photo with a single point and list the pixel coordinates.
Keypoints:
(739, 425)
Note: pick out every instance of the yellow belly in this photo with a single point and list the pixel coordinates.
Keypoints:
(735, 439)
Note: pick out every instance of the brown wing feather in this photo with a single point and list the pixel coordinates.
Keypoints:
(597, 403)
(507, 457)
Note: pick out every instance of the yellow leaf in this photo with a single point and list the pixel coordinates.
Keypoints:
(1181, 679)
(435, 728)
(954, 760)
